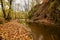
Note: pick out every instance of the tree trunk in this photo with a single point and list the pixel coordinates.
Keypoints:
(3, 9)
(4, 13)
(9, 17)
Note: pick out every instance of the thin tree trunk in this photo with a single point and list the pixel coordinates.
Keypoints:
(3, 9)
(9, 17)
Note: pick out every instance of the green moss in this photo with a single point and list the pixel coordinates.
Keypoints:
(51, 5)
(58, 7)
(1, 14)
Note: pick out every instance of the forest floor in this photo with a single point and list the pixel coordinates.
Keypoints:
(15, 31)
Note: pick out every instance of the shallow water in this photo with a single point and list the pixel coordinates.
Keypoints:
(44, 32)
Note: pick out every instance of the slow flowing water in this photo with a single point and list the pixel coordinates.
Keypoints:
(44, 32)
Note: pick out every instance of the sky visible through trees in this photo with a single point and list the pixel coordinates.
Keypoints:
(21, 5)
